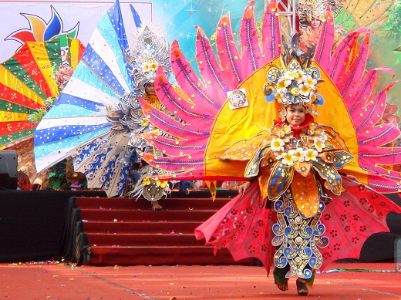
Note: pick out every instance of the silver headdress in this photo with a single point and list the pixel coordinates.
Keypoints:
(150, 52)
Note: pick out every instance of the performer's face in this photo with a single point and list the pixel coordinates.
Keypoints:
(315, 23)
(295, 114)
(150, 88)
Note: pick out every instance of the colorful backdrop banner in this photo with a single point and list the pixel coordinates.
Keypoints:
(41, 20)
(176, 19)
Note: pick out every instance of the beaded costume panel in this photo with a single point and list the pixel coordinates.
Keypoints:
(297, 238)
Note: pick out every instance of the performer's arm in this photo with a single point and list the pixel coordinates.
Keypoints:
(243, 187)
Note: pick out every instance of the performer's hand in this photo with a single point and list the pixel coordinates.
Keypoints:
(243, 187)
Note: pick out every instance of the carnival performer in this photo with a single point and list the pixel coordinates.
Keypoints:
(148, 53)
(306, 131)
(295, 168)
(109, 149)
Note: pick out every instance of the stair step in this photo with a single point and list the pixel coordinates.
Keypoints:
(169, 203)
(204, 193)
(141, 227)
(118, 215)
(143, 239)
(123, 231)
(156, 255)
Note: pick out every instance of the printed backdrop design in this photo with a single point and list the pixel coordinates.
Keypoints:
(43, 19)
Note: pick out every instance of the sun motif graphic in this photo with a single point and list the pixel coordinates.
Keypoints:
(40, 30)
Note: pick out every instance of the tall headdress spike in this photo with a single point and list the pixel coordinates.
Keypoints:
(149, 52)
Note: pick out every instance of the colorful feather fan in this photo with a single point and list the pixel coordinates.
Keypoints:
(85, 120)
(28, 80)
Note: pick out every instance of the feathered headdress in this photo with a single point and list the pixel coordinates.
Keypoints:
(294, 83)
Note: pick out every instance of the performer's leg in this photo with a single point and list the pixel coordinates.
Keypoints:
(279, 278)
(156, 206)
(302, 284)
(311, 280)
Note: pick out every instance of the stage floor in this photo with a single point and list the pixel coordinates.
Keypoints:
(59, 282)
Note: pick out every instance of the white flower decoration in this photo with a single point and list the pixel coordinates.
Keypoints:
(310, 82)
(288, 158)
(310, 155)
(150, 65)
(282, 84)
(291, 75)
(299, 154)
(304, 90)
(277, 145)
(323, 137)
(319, 144)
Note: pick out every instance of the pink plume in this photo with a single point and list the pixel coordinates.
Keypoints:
(196, 143)
(188, 81)
(228, 52)
(174, 148)
(341, 56)
(271, 38)
(383, 155)
(382, 184)
(251, 58)
(178, 163)
(362, 94)
(209, 68)
(192, 174)
(172, 127)
(373, 111)
(180, 107)
(348, 82)
(325, 45)
(377, 136)
(393, 152)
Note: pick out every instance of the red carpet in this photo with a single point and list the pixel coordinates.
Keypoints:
(61, 282)
(127, 232)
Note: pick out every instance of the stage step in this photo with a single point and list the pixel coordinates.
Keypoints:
(158, 255)
(176, 203)
(122, 215)
(134, 239)
(120, 231)
(140, 227)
